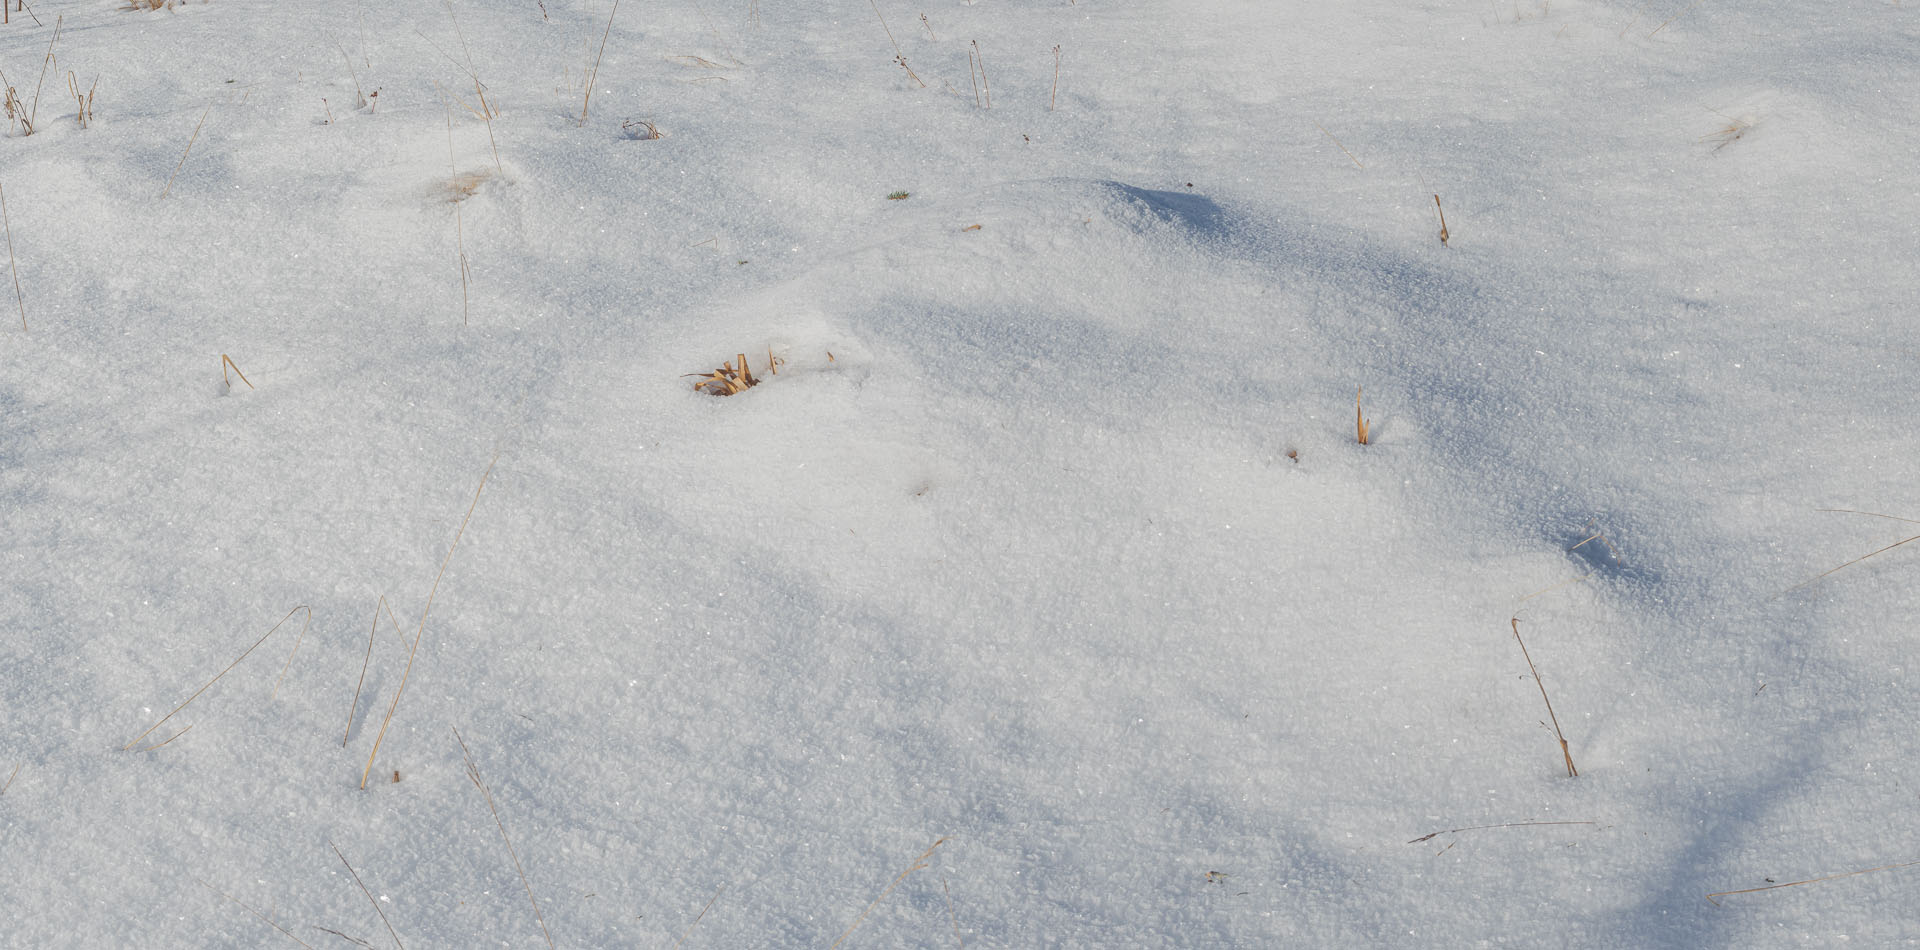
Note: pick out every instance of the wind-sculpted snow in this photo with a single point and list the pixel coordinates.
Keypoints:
(1043, 533)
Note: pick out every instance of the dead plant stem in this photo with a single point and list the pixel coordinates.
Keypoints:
(13, 265)
(594, 73)
(268, 920)
(216, 678)
(1564, 752)
(363, 890)
(188, 151)
(414, 652)
(918, 863)
(473, 774)
(1816, 880)
(1343, 148)
(696, 920)
(44, 63)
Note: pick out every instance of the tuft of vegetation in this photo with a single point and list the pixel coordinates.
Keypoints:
(898, 196)
(1359, 422)
(730, 379)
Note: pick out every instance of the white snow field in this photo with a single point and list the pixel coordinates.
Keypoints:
(1051, 540)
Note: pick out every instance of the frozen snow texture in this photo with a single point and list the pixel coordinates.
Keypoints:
(1050, 535)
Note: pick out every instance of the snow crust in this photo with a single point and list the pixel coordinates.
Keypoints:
(1051, 536)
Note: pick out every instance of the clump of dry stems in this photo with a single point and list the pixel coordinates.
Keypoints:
(17, 114)
(730, 379)
(1359, 422)
(1726, 135)
(84, 101)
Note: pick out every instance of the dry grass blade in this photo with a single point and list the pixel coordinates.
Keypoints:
(1676, 16)
(1816, 880)
(7, 221)
(1726, 135)
(918, 863)
(1443, 220)
(10, 778)
(985, 86)
(1564, 752)
(167, 739)
(951, 916)
(1053, 98)
(1359, 423)
(473, 775)
(15, 109)
(84, 100)
(696, 920)
(370, 900)
(44, 63)
(1817, 578)
(269, 920)
(459, 231)
(226, 361)
(1511, 824)
(1343, 148)
(479, 88)
(366, 661)
(216, 678)
(188, 151)
(1870, 514)
(414, 651)
(290, 655)
(22, 5)
(1601, 537)
(594, 73)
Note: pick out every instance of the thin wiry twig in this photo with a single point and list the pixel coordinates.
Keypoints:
(1511, 824)
(696, 920)
(1571, 771)
(10, 778)
(356, 941)
(1816, 880)
(363, 890)
(473, 775)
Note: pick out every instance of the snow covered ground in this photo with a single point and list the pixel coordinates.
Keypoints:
(1051, 539)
